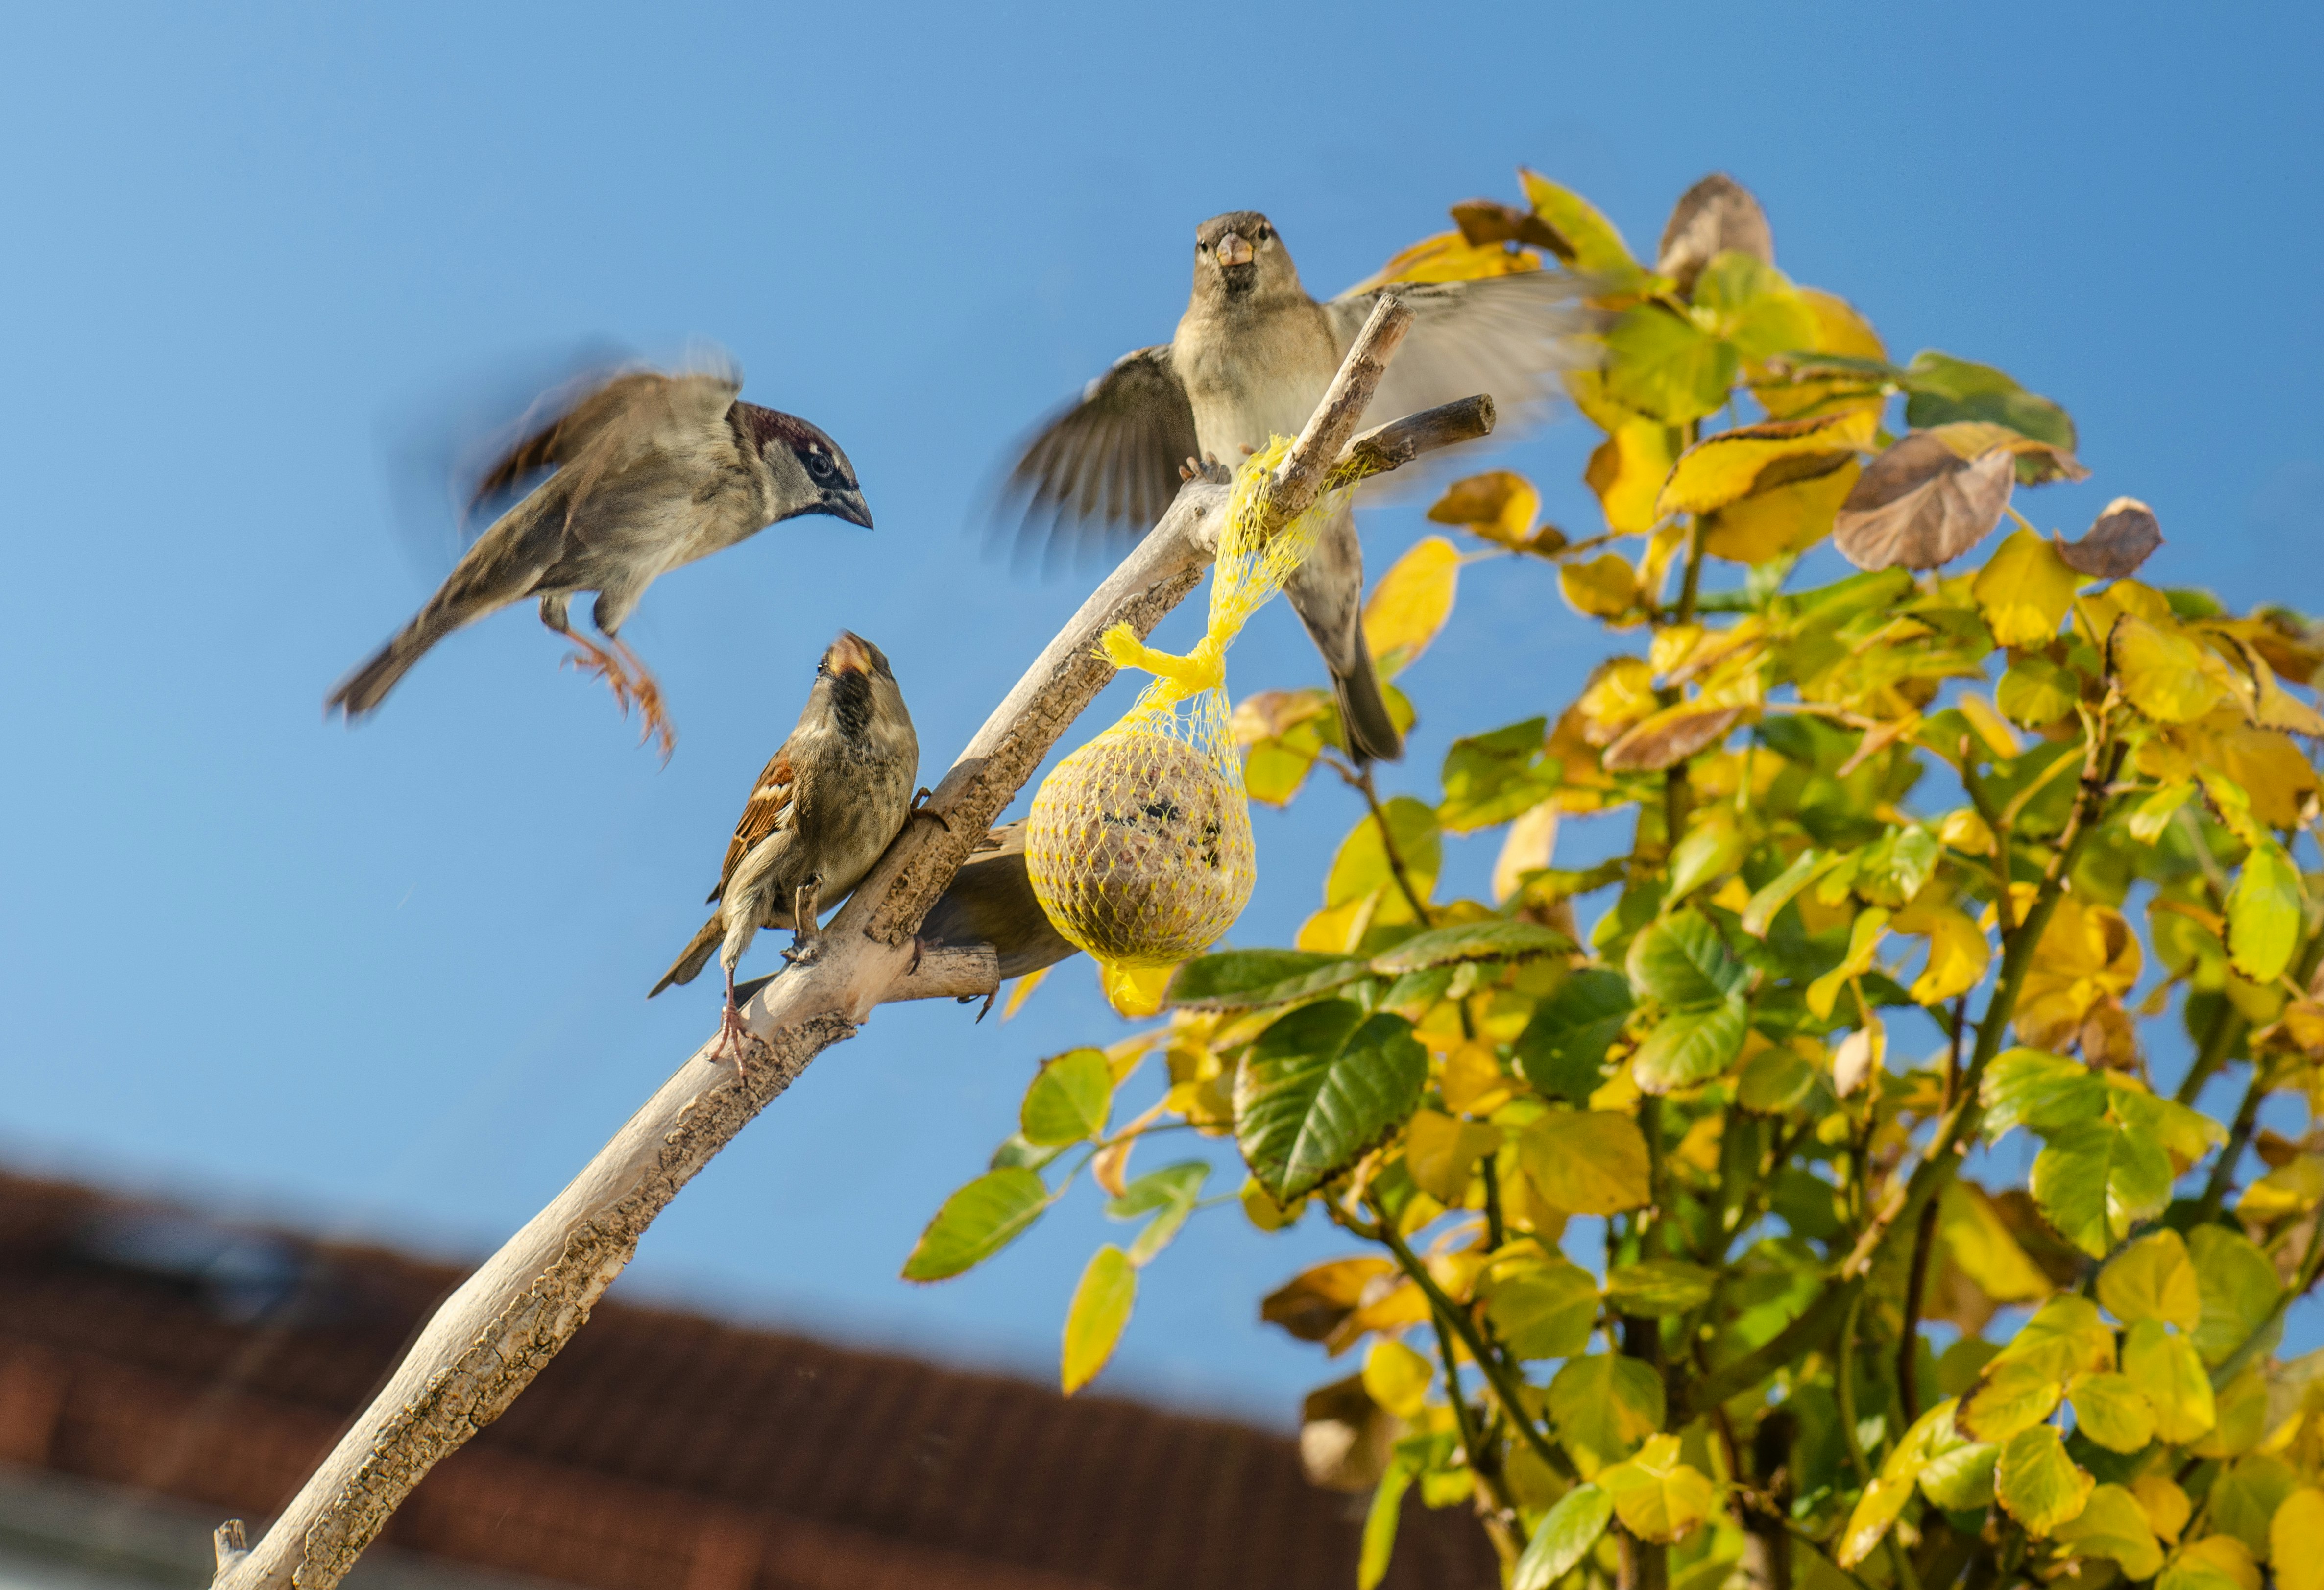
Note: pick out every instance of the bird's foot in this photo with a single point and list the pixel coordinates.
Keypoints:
(653, 719)
(920, 806)
(806, 937)
(734, 1039)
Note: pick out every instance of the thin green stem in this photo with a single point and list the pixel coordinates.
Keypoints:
(2220, 1035)
(1363, 781)
(2231, 1154)
(1483, 1463)
(2310, 1263)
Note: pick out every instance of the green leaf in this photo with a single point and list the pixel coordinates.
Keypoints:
(2239, 1290)
(1960, 1478)
(1318, 1088)
(1713, 848)
(1658, 1497)
(1605, 1405)
(2110, 1410)
(2037, 1484)
(2012, 1394)
(1563, 1537)
(2264, 908)
(2065, 1337)
(2094, 1181)
(1941, 389)
(1667, 367)
(1068, 1099)
(1491, 778)
(1252, 979)
(1659, 1287)
(1691, 1046)
(2036, 692)
(1099, 1311)
(1544, 1311)
(2113, 1524)
(1754, 306)
(1380, 1522)
(1562, 1049)
(1169, 1195)
(1495, 938)
(2169, 1373)
(976, 1222)
(2032, 1088)
(1597, 249)
(1681, 962)
(2153, 1279)
(2244, 1500)
(2214, 1562)
(1896, 868)
(1361, 868)
(1809, 866)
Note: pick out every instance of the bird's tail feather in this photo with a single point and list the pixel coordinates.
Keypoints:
(694, 957)
(1363, 714)
(363, 690)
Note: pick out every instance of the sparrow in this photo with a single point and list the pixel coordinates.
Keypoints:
(824, 808)
(651, 471)
(989, 900)
(1251, 357)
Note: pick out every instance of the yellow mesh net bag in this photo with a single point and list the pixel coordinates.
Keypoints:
(1138, 844)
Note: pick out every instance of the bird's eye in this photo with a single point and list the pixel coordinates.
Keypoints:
(1264, 234)
(818, 463)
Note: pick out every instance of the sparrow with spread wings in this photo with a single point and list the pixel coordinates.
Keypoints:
(1251, 359)
(824, 808)
(651, 471)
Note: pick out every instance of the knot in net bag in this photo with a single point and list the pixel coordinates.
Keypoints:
(1138, 844)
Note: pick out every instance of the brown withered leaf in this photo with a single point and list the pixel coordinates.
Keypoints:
(1345, 1438)
(1670, 737)
(2121, 539)
(1312, 1304)
(2039, 462)
(1920, 504)
(1484, 221)
(1716, 214)
(2275, 1152)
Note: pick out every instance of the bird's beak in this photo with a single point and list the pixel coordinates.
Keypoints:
(848, 504)
(1234, 249)
(849, 654)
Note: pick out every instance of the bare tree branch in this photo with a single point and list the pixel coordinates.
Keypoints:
(488, 1340)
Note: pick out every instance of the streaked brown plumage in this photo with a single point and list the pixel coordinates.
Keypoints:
(1251, 359)
(652, 471)
(824, 808)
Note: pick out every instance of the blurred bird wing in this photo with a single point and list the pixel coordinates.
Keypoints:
(1110, 462)
(768, 812)
(611, 424)
(1509, 335)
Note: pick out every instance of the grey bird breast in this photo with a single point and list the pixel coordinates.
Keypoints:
(1251, 376)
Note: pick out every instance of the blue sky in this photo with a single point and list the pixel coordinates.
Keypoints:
(390, 981)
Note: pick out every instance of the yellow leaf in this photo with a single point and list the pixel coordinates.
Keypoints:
(1442, 1153)
(2109, 1410)
(1587, 1161)
(1620, 694)
(2268, 766)
(2153, 1279)
(1790, 517)
(1604, 588)
(1990, 725)
(1958, 956)
(2169, 1374)
(2295, 1538)
(1863, 943)
(1749, 458)
(1838, 329)
(1531, 841)
(1475, 1084)
(1448, 256)
(2165, 1505)
(1656, 1496)
(2037, 1484)
(1397, 1378)
(2025, 589)
(2065, 1337)
(1100, 1309)
(1979, 1243)
(2242, 1417)
(1604, 1405)
(1599, 250)
(2012, 1395)
(2166, 675)
(2113, 1524)
(1023, 991)
(1626, 471)
(1411, 603)
(2292, 1188)
(1500, 505)
(1966, 831)
(2214, 1562)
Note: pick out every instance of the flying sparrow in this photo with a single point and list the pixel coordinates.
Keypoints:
(825, 809)
(652, 471)
(1252, 355)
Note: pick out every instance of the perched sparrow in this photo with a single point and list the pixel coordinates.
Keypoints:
(1251, 359)
(825, 805)
(651, 471)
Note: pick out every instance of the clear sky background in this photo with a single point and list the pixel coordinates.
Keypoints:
(390, 981)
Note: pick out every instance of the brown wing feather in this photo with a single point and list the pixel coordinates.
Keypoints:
(575, 420)
(1110, 462)
(769, 806)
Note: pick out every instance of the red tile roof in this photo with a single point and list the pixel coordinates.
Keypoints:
(662, 1451)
